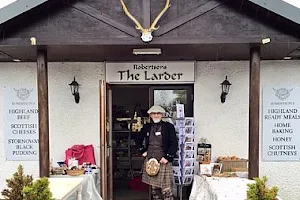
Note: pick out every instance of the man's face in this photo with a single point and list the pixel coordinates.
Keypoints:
(156, 117)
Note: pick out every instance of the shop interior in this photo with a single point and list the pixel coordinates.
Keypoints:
(129, 112)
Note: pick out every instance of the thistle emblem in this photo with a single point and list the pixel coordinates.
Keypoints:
(23, 93)
(282, 93)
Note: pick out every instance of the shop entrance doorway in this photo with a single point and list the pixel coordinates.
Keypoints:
(127, 107)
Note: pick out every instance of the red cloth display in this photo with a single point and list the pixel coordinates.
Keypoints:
(81, 153)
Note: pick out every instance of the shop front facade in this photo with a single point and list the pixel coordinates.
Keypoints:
(224, 125)
(76, 51)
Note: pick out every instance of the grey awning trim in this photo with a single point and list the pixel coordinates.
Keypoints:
(16, 8)
(289, 9)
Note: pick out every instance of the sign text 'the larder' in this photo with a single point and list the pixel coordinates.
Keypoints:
(151, 73)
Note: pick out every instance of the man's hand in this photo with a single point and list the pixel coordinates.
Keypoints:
(144, 154)
(163, 160)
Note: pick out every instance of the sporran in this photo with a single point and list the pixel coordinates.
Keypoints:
(152, 167)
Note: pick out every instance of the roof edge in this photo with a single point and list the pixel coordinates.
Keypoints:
(281, 7)
(18, 7)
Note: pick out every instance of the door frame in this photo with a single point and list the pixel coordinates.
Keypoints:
(106, 164)
(106, 159)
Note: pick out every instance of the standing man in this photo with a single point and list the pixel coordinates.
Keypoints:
(158, 143)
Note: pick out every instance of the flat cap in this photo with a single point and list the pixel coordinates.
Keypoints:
(156, 109)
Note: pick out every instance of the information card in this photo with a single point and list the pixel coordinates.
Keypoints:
(21, 123)
(281, 123)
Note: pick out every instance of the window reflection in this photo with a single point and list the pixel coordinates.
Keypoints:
(168, 100)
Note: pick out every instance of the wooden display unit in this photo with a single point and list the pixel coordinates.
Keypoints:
(127, 161)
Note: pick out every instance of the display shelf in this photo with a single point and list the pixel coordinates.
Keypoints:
(120, 148)
(125, 131)
(121, 131)
(127, 153)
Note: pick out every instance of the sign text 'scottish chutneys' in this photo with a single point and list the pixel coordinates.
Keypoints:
(281, 123)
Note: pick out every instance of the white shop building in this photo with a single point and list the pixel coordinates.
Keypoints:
(260, 112)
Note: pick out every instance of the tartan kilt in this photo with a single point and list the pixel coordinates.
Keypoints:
(164, 178)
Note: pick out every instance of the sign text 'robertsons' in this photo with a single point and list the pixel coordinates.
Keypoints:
(168, 72)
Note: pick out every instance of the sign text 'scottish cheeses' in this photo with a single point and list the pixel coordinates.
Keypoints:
(21, 123)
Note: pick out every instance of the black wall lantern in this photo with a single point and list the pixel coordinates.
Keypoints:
(74, 90)
(225, 89)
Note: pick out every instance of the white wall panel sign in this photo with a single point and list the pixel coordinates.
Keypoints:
(150, 72)
(21, 123)
(281, 123)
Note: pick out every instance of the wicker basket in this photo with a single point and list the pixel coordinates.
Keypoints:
(230, 165)
(75, 172)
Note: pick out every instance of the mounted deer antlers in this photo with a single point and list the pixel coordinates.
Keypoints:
(146, 32)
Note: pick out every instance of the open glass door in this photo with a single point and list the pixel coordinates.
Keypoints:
(106, 141)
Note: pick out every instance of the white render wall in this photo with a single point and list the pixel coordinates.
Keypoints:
(70, 123)
(16, 74)
(284, 174)
(224, 125)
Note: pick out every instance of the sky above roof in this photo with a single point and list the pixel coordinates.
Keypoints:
(4, 3)
(289, 9)
(12, 8)
(286, 8)
(295, 3)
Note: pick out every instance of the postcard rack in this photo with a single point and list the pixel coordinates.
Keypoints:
(184, 163)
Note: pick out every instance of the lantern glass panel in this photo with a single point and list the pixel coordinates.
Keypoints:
(76, 88)
(227, 88)
(223, 88)
(71, 87)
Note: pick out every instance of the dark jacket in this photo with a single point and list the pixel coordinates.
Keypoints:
(170, 142)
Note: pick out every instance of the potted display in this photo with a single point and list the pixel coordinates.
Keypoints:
(16, 184)
(39, 190)
(22, 187)
(260, 191)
